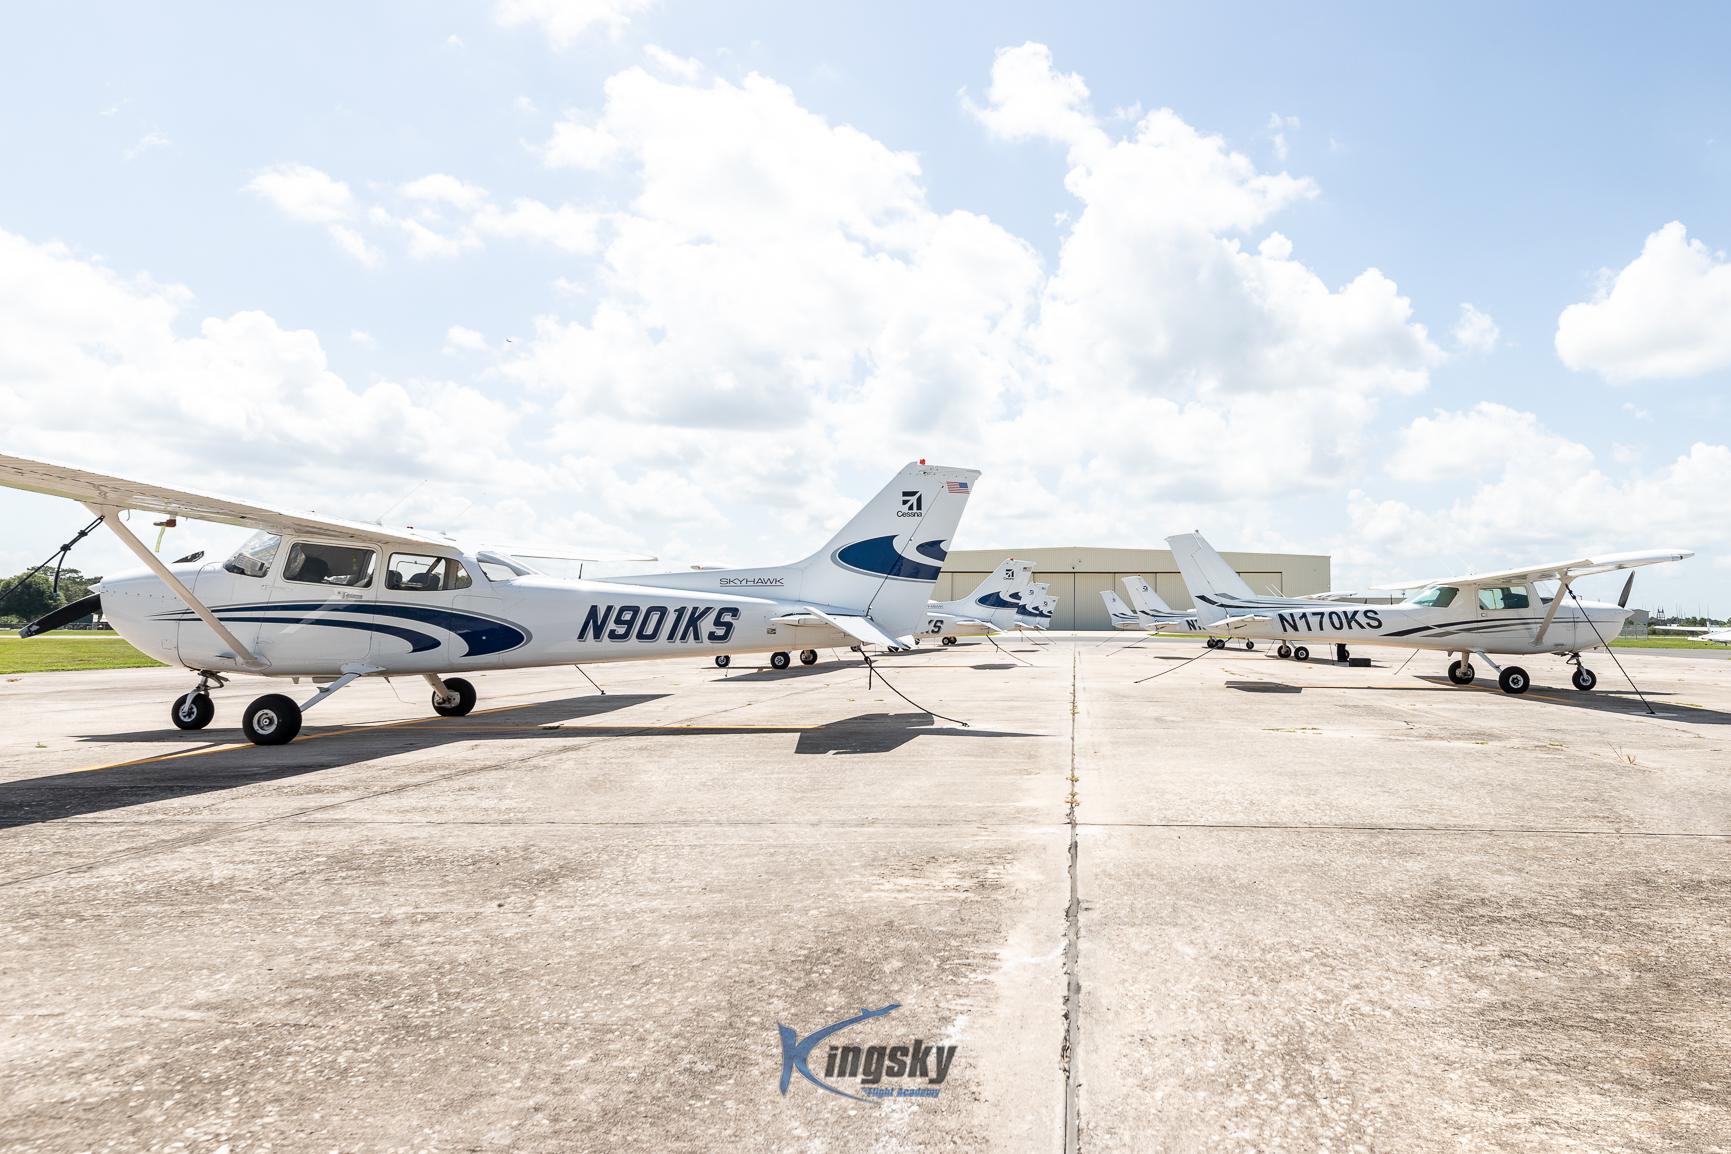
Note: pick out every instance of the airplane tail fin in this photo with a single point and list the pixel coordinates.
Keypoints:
(887, 558)
(1143, 597)
(1119, 612)
(1006, 587)
(1206, 575)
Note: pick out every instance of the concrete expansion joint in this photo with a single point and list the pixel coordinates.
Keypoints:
(1068, 1062)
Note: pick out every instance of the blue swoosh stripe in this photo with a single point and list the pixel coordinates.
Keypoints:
(996, 601)
(482, 636)
(879, 558)
(418, 642)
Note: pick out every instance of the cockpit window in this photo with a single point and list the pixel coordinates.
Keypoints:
(426, 574)
(254, 556)
(1436, 597)
(1503, 597)
(330, 565)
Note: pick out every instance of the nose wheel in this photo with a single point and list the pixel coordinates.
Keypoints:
(1461, 673)
(780, 660)
(722, 660)
(457, 700)
(192, 710)
(1584, 679)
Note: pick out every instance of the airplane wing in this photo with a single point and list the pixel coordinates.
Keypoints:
(565, 553)
(1559, 571)
(1241, 621)
(94, 488)
(860, 628)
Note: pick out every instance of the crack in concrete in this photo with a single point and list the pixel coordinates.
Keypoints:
(1072, 950)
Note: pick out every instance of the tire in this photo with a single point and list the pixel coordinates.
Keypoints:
(1584, 678)
(1215, 643)
(1285, 650)
(1461, 674)
(808, 657)
(192, 710)
(1300, 653)
(949, 641)
(780, 660)
(1249, 646)
(465, 698)
(272, 720)
(722, 660)
(1514, 679)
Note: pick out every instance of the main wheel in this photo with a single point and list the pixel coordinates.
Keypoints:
(1584, 678)
(779, 660)
(1514, 680)
(465, 694)
(1285, 650)
(722, 661)
(1300, 653)
(808, 657)
(192, 710)
(1214, 643)
(1461, 674)
(949, 641)
(1249, 645)
(272, 720)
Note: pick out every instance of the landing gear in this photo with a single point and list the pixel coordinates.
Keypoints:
(780, 660)
(722, 661)
(457, 699)
(950, 640)
(1584, 679)
(1285, 650)
(1513, 679)
(1248, 646)
(1461, 673)
(808, 657)
(271, 720)
(192, 710)
(1300, 653)
(1341, 654)
(1215, 643)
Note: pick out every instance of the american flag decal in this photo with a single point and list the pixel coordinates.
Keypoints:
(956, 486)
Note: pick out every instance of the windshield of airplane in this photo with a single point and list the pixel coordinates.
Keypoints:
(255, 554)
(499, 567)
(1436, 597)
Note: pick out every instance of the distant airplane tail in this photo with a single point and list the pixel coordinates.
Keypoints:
(1121, 614)
(1143, 597)
(1207, 576)
(1006, 587)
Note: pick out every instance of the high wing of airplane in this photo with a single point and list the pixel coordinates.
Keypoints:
(1501, 612)
(996, 604)
(334, 601)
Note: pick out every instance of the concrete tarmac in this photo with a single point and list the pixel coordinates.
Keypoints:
(1154, 897)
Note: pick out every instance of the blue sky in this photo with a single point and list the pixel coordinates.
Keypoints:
(1025, 277)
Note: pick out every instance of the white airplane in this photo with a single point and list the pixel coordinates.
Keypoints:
(334, 601)
(1158, 616)
(1481, 613)
(999, 602)
(1718, 634)
(1123, 617)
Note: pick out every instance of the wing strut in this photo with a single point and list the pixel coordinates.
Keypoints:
(111, 517)
(1551, 613)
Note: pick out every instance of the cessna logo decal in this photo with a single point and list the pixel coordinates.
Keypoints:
(686, 623)
(913, 504)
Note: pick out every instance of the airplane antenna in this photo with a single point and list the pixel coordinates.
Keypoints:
(1612, 652)
(871, 667)
(380, 519)
(589, 679)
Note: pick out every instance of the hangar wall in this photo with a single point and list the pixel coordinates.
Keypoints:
(1078, 574)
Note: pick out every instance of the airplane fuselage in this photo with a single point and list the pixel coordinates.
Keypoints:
(306, 630)
(1575, 627)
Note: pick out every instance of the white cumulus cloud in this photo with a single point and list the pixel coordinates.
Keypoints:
(1665, 315)
(1475, 331)
(562, 22)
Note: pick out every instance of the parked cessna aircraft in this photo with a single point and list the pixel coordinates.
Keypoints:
(1123, 617)
(999, 603)
(1481, 613)
(1719, 635)
(334, 601)
(1158, 616)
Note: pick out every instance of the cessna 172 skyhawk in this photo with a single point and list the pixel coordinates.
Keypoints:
(1000, 602)
(334, 601)
(1481, 613)
(1156, 614)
